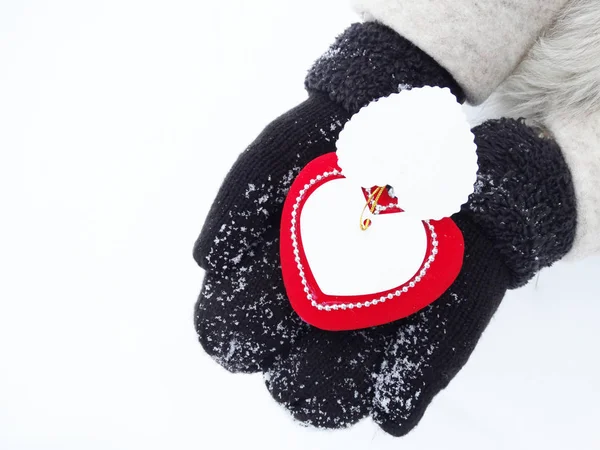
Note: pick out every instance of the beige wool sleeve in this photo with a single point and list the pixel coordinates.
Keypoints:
(480, 42)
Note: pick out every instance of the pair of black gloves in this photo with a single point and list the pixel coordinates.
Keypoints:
(521, 218)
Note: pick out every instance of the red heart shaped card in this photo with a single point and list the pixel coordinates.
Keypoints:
(344, 272)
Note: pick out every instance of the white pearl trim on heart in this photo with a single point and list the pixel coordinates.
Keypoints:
(343, 306)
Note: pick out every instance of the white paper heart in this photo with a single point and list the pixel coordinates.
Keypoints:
(346, 260)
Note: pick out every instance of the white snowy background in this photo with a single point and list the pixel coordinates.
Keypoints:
(118, 120)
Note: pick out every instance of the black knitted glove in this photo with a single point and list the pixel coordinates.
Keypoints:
(520, 219)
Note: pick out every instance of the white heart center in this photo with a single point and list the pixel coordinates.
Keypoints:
(348, 261)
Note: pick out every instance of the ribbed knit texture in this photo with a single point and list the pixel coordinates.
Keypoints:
(524, 199)
(370, 61)
(250, 201)
(430, 348)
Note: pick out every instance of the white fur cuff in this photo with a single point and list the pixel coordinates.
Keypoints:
(579, 140)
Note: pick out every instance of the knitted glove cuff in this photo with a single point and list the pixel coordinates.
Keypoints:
(369, 61)
(524, 197)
